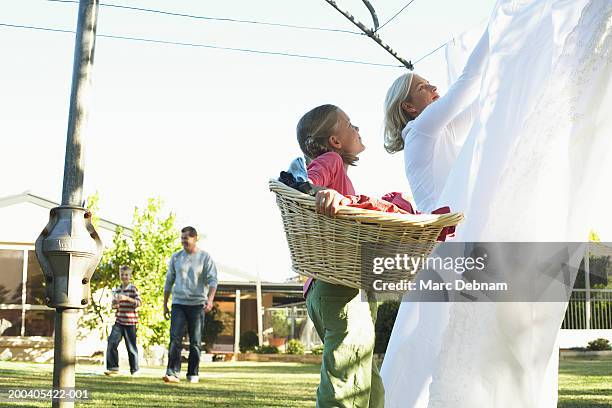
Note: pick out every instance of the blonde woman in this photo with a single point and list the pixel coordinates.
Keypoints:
(430, 129)
(546, 95)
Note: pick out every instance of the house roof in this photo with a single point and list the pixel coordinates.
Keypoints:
(28, 197)
(226, 273)
(229, 273)
(268, 287)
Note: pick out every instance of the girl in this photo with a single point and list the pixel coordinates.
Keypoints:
(349, 378)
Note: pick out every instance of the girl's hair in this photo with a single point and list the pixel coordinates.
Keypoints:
(313, 132)
(395, 117)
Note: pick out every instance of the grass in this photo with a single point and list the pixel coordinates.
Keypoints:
(585, 383)
(582, 383)
(234, 385)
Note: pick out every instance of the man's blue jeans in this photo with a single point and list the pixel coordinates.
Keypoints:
(193, 317)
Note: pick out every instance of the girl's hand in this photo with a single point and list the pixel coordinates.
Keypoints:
(328, 201)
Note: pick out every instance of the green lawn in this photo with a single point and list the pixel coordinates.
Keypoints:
(221, 385)
(585, 383)
(582, 383)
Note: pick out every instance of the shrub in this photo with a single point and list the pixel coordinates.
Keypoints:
(280, 325)
(387, 312)
(212, 327)
(294, 346)
(266, 350)
(248, 341)
(599, 345)
(318, 350)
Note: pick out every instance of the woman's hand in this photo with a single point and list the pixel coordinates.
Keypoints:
(328, 201)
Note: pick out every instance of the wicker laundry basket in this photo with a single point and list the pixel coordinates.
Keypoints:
(340, 249)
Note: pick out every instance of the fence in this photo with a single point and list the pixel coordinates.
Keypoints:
(590, 309)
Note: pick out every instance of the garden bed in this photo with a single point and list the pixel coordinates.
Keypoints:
(280, 358)
(605, 354)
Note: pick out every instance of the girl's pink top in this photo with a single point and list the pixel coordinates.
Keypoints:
(328, 170)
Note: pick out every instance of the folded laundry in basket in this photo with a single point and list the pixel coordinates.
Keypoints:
(389, 203)
(395, 203)
(298, 169)
(303, 186)
(399, 200)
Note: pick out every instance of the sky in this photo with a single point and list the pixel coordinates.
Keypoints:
(204, 129)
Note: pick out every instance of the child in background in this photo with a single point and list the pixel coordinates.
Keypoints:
(125, 301)
(349, 378)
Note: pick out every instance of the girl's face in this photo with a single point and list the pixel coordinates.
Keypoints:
(421, 94)
(346, 137)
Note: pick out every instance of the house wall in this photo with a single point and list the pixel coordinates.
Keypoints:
(26, 323)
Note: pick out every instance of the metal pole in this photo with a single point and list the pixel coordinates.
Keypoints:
(64, 353)
(308, 329)
(259, 313)
(237, 324)
(371, 33)
(587, 286)
(293, 314)
(72, 192)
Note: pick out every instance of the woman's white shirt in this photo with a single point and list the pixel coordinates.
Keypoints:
(433, 140)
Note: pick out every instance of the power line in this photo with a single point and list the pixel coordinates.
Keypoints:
(216, 47)
(230, 20)
(55, 30)
(395, 15)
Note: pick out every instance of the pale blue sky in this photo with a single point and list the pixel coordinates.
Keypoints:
(205, 129)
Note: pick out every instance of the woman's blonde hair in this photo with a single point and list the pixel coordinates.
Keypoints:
(313, 132)
(395, 117)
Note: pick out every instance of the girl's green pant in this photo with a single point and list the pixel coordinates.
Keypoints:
(345, 323)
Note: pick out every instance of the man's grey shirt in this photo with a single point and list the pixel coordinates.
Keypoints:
(190, 276)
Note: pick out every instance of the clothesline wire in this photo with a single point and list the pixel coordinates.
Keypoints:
(223, 19)
(237, 21)
(209, 46)
(428, 54)
(395, 15)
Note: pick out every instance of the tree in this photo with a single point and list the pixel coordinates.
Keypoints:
(153, 240)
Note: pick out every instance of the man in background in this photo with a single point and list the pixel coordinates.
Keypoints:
(192, 280)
